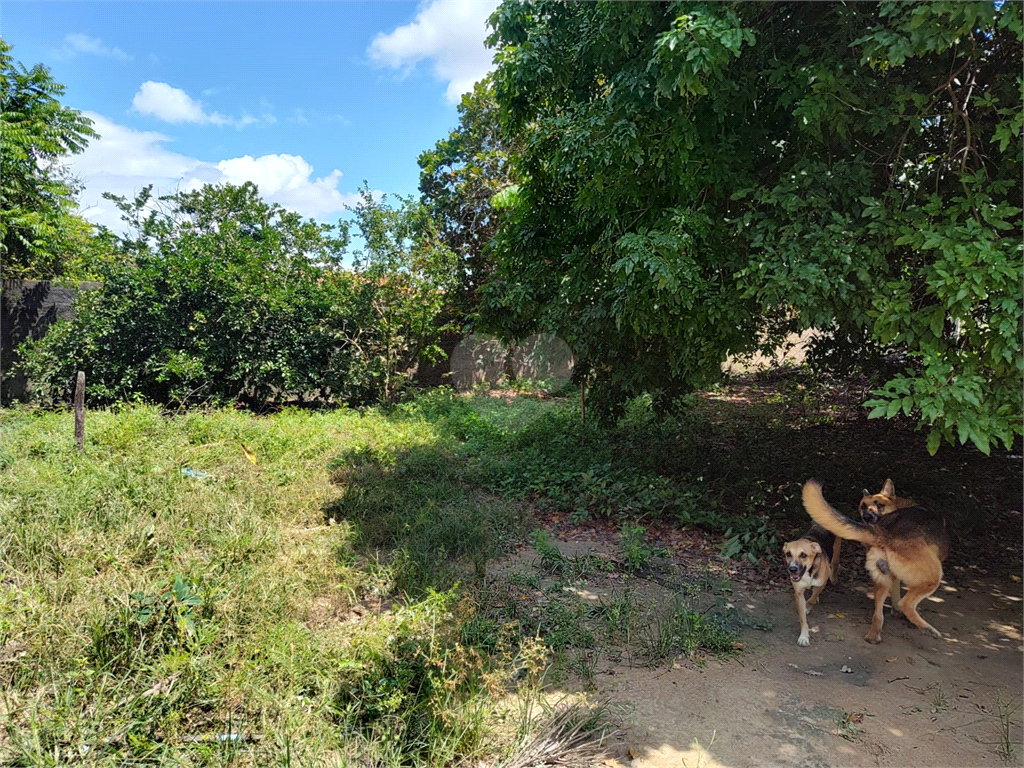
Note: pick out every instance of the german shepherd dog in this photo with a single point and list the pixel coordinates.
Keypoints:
(906, 545)
(873, 506)
(810, 568)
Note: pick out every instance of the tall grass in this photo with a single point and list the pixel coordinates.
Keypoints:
(166, 599)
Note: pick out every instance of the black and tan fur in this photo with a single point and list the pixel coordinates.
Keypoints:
(906, 545)
(872, 506)
(809, 568)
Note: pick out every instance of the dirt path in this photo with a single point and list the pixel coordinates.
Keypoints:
(912, 700)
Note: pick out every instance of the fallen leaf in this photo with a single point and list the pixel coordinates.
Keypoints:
(856, 717)
(846, 669)
(249, 454)
(894, 658)
(840, 615)
(633, 754)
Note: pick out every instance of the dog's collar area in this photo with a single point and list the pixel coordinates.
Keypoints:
(815, 565)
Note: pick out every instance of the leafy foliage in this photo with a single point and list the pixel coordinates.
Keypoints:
(406, 275)
(699, 178)
(38, 227)
(219, 296)
(459, 177)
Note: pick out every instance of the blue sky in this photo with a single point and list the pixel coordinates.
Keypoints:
(306, 99)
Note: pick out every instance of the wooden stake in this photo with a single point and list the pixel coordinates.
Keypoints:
(80, 412)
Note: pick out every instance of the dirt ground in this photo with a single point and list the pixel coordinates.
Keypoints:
(912, 700)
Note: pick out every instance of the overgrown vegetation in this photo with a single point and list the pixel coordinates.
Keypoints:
(170, 597)
(697, 179)
(217, 296)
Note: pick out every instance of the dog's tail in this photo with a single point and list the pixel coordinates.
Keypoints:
(826, 516)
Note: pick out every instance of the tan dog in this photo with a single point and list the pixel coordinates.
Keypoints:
(907, 544)
(810, 568)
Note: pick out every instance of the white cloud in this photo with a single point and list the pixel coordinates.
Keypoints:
(288, 180)
(122, 161)
(451, 34)
(173, 105)
(77, 43)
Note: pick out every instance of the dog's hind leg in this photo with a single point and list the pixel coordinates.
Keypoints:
(918, 593)
(894, 596)
(894, 590)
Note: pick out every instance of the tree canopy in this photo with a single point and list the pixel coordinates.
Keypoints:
(218, 296)
(697, 178)
(458, 178)
(40, 233)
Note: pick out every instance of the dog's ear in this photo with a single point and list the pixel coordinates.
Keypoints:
(866, 492)
(816, 547)
(888, 489)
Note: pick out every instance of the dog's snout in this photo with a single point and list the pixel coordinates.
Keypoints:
(793, 567)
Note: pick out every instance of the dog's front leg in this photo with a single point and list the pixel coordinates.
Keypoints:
(813, 599)
(801, 610)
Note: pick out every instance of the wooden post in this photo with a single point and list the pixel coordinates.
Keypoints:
(80, 412)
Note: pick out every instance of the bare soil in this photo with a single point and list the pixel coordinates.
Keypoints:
(912, 700)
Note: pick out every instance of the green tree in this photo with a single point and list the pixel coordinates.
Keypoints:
(216, 296)
(405, 276)
(458, 178)
(39, 230)
(694, 175)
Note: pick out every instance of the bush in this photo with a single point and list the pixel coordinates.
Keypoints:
(221, 297)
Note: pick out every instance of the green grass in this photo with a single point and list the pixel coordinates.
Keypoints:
(168, 600)
(226, 616)
(331, 602)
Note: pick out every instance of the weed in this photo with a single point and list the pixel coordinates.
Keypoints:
(684, 631)
(618, 614)
(561, 625)
(520, 579)
(939, 701)
(753, 537)
(1006, 711)
(551, 558)
(636, 554)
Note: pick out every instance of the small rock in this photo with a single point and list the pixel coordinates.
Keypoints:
(846, 669)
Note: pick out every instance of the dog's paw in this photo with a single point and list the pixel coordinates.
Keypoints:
(803, 640)
(873, 637)
(932, 631)
(812, 601)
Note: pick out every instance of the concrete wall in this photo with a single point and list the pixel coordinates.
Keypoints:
(27, 309)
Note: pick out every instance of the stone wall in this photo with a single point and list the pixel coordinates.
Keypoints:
(27, 309)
